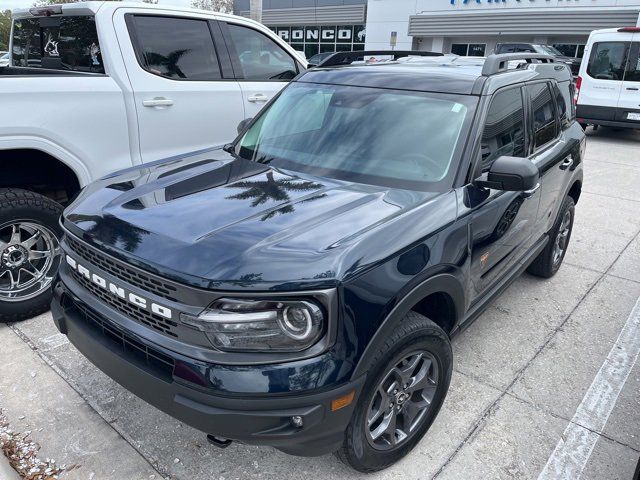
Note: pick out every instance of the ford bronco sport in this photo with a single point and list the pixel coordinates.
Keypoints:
(299, 287)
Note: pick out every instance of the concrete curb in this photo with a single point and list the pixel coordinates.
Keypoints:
(6, 471)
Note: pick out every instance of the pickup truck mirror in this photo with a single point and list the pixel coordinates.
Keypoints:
(512, 174)
(243, 124)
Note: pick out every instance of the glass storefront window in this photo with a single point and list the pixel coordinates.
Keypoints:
(468, 49)
(570, 49)
(313, 39)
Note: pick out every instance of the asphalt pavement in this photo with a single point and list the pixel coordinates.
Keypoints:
(545, 385)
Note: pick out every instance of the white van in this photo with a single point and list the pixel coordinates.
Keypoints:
(608, 88)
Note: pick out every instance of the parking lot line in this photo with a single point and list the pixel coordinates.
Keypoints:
(579, 438)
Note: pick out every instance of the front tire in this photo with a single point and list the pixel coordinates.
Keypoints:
(406, 386)
(547, 264)
(29, 252)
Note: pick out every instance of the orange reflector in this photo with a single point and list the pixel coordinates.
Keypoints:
(343, 401)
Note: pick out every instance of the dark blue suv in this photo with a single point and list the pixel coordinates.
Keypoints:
(299, 287)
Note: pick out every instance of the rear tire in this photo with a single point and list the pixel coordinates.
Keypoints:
(29, 252)
(407, 380)
(550, 259)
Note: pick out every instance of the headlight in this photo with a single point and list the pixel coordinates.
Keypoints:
(236, 325)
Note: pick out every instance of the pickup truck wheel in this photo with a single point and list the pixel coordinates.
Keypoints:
(406, 385)
(29, 252)
(550, 259)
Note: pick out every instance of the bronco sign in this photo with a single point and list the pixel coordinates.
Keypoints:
(327, 38)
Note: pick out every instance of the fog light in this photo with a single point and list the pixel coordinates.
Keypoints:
(297, 421)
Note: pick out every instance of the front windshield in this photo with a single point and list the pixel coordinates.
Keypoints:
(368, 135)
(547, 49)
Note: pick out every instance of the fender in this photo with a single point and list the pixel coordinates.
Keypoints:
(441, 283)
(48, 147)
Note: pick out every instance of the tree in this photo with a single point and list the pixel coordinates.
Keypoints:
(223, 6)
(5, 29)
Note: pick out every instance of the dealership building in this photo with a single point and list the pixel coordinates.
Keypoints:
(464, 27)
(314, 26)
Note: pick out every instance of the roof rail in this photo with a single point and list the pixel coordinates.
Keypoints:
(498, 63)
(347, 58)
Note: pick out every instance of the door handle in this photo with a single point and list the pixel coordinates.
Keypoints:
(532, 192)
(633, 88)
(258, 97)
(568, 162)
(158, 102)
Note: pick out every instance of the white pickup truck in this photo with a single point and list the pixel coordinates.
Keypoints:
(96, 87)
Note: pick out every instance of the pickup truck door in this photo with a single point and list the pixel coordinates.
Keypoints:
(502, 224)
(185, 95)
(262, 66)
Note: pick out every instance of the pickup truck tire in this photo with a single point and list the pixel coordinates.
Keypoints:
(406, 384)
(29, 252)
(550, 259)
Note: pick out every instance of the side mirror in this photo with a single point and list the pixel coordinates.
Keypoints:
(243, 124)
(511, 174)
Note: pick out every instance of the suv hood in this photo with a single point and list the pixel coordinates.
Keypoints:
(214, 221)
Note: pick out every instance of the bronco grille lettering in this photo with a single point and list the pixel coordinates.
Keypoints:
(119, 291)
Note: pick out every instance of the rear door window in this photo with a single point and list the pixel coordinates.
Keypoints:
(608, 60)
(260, 57)
(176, 48)
(58, 43)
(544, 116)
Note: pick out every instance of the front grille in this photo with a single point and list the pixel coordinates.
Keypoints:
(140, 315)
(126, 344)
(121, 270)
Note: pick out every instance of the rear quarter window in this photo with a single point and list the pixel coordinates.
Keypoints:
(59, 43)
(608, 60)
(564, 96)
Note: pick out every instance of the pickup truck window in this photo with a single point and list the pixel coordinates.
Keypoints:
(176, 48)
(63, 43)
(260, 57)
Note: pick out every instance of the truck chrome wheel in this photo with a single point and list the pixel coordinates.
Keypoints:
(29, 255)
(560, 244)
(402, 400)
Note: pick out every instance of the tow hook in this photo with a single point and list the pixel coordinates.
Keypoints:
(219, 441)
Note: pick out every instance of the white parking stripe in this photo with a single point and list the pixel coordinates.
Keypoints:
(574, 448)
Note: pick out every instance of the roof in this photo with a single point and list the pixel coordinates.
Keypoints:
(92, 7)
(449, 74)
(420, 76)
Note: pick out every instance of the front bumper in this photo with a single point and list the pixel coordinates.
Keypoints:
(164, 379)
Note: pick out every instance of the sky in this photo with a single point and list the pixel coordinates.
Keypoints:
(11, 4)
